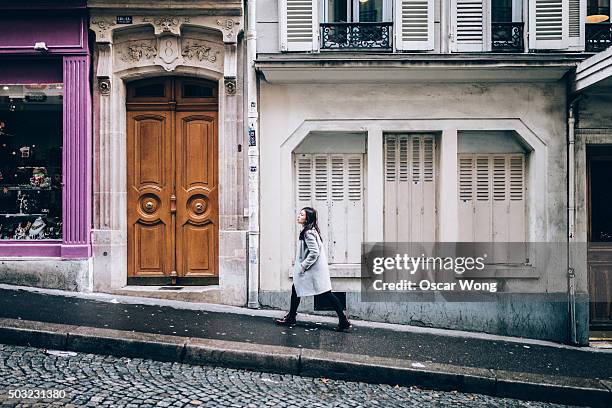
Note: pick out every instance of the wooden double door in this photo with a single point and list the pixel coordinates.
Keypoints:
(172, 178)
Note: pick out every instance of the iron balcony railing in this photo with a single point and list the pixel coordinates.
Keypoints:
(357, 36)
(507, 37)
(598, 36)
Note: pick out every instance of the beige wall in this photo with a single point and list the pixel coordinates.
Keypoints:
(288, 112)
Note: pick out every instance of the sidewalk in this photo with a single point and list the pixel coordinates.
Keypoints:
(245, 338)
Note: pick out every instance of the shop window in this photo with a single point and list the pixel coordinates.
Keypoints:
(31, 162)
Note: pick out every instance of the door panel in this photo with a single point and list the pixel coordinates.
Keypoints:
(150, 185)
(196, 194)
(600, 236)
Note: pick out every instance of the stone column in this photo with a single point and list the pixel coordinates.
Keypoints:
(448, 188)
(375, 193)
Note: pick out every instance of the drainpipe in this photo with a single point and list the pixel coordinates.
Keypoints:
(444, 36)
(571, 214)
(253, 153)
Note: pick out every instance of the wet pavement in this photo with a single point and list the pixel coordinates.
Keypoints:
(421, 347)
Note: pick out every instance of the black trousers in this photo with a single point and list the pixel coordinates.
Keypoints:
(295, 302)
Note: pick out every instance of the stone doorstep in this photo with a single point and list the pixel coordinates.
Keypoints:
(307, 362)
(195, 294)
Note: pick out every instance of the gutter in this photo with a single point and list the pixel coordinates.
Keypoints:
(253, 157)
(571, 217)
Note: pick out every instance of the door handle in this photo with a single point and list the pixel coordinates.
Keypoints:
(173, 204)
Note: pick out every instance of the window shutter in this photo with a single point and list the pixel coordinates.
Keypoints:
(548, 24)
(354, 210)
(492, 200)
(466, 185)
(576, 28)
(416, 159)
(333, 185)
(298, 25)
(516, 204)
(414, 25)
(304, 177)
(321, 201)
(466, 198)
(409, 213)
(468, 19)
(390, 159)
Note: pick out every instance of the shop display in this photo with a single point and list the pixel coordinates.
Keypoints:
(30, 164)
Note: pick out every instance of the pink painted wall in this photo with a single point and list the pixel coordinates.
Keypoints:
(67, 60)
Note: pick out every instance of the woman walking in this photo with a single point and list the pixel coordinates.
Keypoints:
(311, 272)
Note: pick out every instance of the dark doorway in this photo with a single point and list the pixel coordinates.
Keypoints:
(599, 161)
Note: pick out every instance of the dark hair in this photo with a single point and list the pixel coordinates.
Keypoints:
(311, 222)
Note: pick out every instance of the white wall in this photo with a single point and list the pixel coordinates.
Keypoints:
(537, 110)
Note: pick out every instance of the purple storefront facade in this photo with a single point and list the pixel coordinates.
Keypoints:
(45, 131)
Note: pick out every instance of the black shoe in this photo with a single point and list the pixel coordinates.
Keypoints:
(287, 320)
(343, 326)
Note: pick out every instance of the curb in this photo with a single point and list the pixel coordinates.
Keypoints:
(307, 362)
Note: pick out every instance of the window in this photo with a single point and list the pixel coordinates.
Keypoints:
(31, 162)
(598, 8)
(410, 188)
(364, 11)
(501, 11)
(333, 185)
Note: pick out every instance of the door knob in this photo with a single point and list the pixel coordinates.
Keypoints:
(149, 205)
(199, 207)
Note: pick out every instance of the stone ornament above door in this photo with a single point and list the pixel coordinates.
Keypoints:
(175, 41)
(105, 25)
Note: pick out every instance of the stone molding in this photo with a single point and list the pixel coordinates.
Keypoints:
(104, 25)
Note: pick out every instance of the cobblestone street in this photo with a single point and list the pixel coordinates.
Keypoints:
(94, 380)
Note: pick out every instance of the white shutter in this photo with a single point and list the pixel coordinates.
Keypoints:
(466, 198)
(354, 212)
(410, 190)
(414, 25)
(337, 212)
(298, 25)
(482, 204)
(576, 27)
(548, 24)
(492, 199)
(333, 185)
(468, 21)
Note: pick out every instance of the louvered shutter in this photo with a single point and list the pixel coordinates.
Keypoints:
(414, 25)
(576, 28)
(466, 198)
(410, 188)
(335, 182)
(549, 24)
(468, 21)
(492, 198)
(298, 25)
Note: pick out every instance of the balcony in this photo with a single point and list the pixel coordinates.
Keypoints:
(357, 36)
(507, 37)
(598, 36)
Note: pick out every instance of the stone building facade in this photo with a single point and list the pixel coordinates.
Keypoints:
(424, 121)
(169, 175)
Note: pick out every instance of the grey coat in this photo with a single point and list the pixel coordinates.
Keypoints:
(311, 255)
